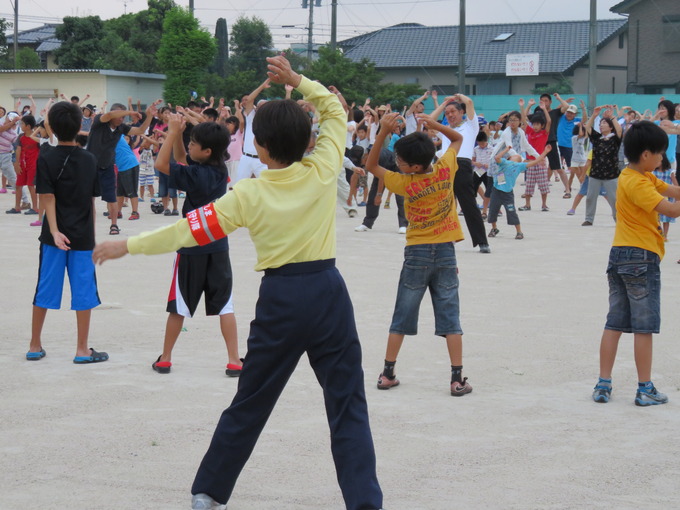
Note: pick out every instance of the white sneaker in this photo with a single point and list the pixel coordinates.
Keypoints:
(352, 213)
(402, 230)
(205, 502)
(361, 228)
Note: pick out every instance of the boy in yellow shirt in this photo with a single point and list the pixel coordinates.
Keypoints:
(633, 271)
(429, 256)
(303, 305)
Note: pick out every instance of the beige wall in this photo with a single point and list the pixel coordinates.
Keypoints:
(44, 86)
(119, 88)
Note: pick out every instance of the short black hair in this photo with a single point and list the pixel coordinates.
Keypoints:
(193, 104)
(118, 106)
(29, 120)
(363, 127)
(211, 113)
(282, 127)
(643, 136)
(356, 154)
(515, 113)
(547, 96)
(415, 149)
(65, 119)
(482, 137)
(233, 120)
(357, 115)
(538, 118)
(75, 98)
(213, 136)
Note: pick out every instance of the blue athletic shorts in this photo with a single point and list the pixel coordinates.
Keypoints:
(81, 277)
(634, 290)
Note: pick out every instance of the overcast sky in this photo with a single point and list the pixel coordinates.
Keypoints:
(354, 16)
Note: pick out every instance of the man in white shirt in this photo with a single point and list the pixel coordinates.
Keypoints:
(456, 108)
(249, 165)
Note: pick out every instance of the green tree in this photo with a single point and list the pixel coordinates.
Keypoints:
(222, 54)
(251, 43)
(27, 58)
(184, 55)
(562, 86)
(356, 80)
(4, 50)
(81, 42)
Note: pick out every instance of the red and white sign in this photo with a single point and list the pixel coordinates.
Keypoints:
(521, 64)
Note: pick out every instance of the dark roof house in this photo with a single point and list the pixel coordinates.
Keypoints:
(654, 53)
(42, 39)
(429, 55)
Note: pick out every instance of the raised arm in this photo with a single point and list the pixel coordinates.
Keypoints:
(151, 111)
(591, 120)
(175, 127)
(388, 122)
(252, 97)
(548, 120)
(563, 104)
(454, 136)
(416, 102)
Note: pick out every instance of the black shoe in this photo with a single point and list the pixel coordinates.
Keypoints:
(162, 367)
(484, 248)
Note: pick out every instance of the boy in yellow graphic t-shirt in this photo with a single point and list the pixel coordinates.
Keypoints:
(633, 269)
(429, 256)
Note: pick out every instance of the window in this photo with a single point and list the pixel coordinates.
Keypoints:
(503, 37)
(671, 34)
(621, 40)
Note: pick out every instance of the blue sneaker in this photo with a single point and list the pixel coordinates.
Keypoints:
(649, 397)
(602, 391)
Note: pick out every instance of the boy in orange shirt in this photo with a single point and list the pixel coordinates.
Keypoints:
(429, 256)
(633, 270)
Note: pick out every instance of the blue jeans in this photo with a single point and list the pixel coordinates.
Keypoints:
(426, 266)
(634, 290)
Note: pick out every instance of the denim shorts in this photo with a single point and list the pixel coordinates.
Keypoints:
(634, 290)
(426, 266)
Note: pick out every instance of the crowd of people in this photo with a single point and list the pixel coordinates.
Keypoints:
(275, 167)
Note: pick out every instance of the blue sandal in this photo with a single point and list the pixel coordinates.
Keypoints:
(96, 357)
(35, 356)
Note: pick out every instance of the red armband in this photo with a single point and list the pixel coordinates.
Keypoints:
(204, 225)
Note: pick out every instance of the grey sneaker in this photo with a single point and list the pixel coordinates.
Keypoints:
(205, 502)
(602, 392)
(649, 397)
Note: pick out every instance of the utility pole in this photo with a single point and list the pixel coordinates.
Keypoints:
(461, 49)
(592, 57)
(16, 33)
(334, 24)
(191, 7)
(310, 31)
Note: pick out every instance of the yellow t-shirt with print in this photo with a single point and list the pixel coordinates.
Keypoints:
(637, 223)
(429, 204)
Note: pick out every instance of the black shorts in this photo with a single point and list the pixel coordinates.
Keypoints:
(195, 275)
(107, 184)
(554, 157)
(128, 182)
(566, 153)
